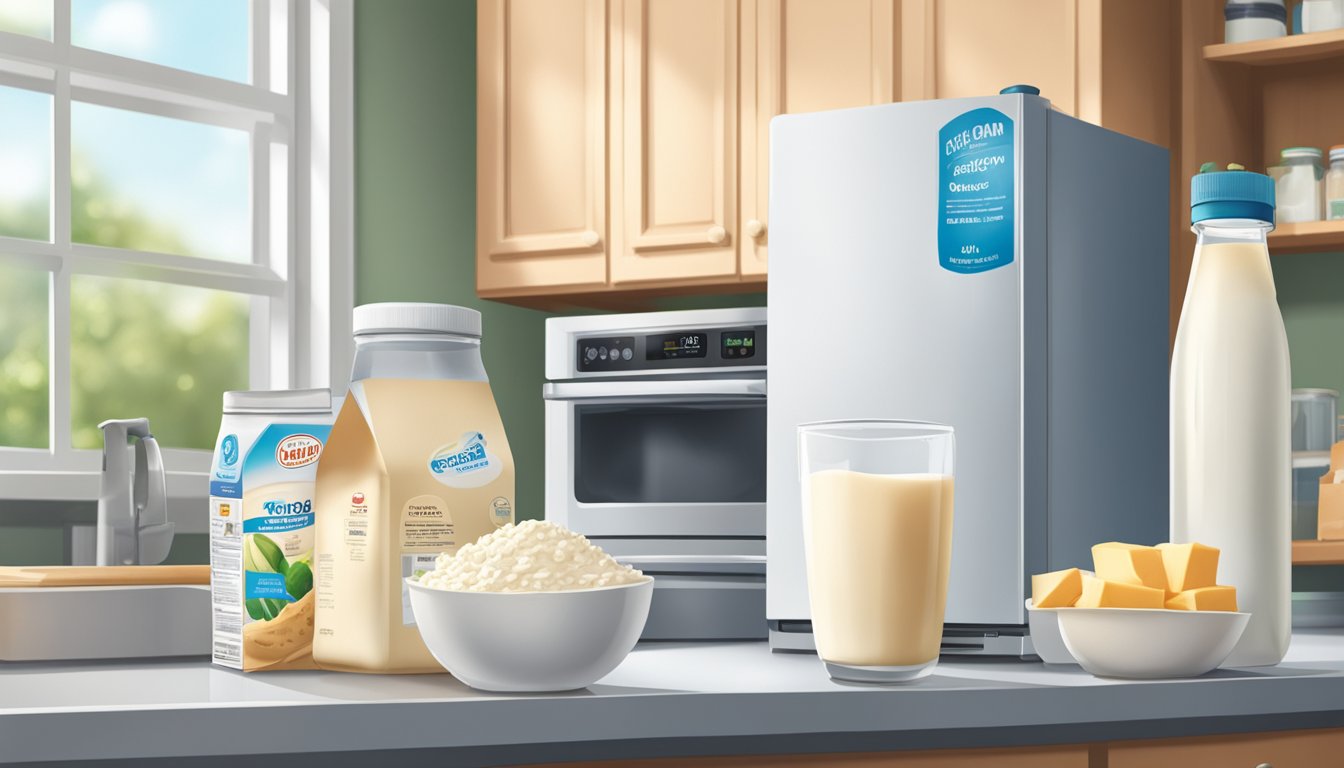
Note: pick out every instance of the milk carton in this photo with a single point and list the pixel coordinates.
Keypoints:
(417, 464)
(261, 527)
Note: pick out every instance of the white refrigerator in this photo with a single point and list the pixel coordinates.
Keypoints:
(992, 264)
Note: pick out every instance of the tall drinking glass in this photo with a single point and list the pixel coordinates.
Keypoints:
(877, 529)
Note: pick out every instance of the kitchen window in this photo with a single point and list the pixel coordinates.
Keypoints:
(175, 221)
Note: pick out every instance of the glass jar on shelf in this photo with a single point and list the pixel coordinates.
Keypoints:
(1334, 185)
(1297, 181)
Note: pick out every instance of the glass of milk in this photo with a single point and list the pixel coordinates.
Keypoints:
(877, 530)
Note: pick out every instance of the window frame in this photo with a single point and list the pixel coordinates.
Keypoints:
(301, 276)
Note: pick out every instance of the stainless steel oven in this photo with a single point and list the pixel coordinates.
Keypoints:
(655, 448)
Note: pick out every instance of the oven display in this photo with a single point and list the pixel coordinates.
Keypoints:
(677, 345)
(738, 344)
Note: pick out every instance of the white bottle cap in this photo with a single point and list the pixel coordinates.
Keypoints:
(408, 317)
(278, 401)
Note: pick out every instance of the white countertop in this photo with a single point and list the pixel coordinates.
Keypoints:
(711, 698)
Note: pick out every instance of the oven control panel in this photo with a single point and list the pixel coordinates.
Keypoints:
(676, 349)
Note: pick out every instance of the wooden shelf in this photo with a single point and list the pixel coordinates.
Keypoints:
(1292, 49)
(1318, 553)
(1307, 237)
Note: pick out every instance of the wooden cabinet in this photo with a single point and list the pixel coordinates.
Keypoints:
(541, 146)
(979, 47)
(1289, 749)
(623, 145)
(804, 56)
(1297, 749)
(676, 158)
(1104, 61)
(1038, 757)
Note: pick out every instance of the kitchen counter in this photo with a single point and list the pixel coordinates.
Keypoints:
(664, 700)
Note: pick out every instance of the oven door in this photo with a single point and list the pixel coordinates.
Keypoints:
(681, 458)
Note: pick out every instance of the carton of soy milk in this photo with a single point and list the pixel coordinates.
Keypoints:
(417, 465)
(261, 527)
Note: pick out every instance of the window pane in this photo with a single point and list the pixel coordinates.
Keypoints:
(205, 36)
(26, 17)
(167, 352)
(25, 163)
(23, 357)
(156, 184)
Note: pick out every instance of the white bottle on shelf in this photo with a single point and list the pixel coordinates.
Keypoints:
(1231, 458)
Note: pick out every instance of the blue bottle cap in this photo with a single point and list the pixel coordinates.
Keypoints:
(1231, 195)
(1030, 90)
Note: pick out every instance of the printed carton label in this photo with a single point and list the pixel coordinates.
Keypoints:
(976, 221)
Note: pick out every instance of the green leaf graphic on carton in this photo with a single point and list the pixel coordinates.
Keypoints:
(262, 555)
(264, 608)
(299, 580)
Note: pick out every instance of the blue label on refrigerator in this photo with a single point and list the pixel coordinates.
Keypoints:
(975, 192)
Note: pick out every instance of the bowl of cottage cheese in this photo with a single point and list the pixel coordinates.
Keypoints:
(530, 607)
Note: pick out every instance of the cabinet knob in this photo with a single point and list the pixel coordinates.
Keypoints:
(755, 228)
(716, 235)
(589, 239)
(1264, 765)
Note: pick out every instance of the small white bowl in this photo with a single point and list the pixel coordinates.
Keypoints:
(1149, 643)
(1043, 624)
(531, 641)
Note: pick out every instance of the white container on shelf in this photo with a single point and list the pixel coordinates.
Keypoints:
(1334, 184)
(1322, 15)
(1298, 188)
(1247, 21)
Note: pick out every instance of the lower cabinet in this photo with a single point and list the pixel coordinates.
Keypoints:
(1293, 749)
(1037, 757)
(1287, 749)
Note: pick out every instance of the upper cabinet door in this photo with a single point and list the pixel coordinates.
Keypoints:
(541, 189)
(804, 56)
(978, 47)
(675, 167)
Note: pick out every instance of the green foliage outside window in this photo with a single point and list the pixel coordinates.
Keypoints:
(137, 348)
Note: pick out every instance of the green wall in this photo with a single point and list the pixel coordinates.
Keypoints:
(415, 198)
(1311, 295)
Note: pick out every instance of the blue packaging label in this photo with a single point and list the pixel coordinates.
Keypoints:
(263, 585)
(467, 463)
(279, 515)
(975, 192)
(278, 452)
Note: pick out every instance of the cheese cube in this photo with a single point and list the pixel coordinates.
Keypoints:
(1129, 564)
(1215, 598)
(1189, 566)
(1099, 593)
(1056, 590)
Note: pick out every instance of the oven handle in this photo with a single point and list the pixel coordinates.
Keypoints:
(664, 390)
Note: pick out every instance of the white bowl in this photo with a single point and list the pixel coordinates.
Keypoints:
(1045, 637)
(1147, 643)
(531, 641)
